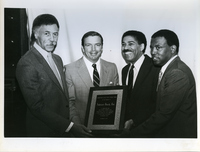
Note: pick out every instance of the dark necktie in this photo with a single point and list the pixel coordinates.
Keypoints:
(130, 78)
(96, 80)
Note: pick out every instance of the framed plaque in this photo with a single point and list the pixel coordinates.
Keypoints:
(106, 109)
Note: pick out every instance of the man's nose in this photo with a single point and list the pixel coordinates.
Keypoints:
(52, 37)
(125, 47)
(153, 50)
(93, 47)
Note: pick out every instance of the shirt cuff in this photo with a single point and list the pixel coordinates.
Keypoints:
(69, 127)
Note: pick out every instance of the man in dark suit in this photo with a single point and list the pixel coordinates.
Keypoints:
(141, 79)
(176, 109)
(80, 75)
(41, 79)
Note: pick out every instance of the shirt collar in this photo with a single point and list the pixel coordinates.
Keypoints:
(164, 67)
(90, 68)
(88, 63)
(40, 50)
(139, 62)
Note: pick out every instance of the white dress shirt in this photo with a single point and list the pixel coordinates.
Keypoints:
(90, 68)
(136, 69)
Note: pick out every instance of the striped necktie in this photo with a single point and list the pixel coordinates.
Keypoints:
(96, 80)
(53, 67)
(159, 79)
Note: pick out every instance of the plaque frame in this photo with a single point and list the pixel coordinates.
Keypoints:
(119, 112)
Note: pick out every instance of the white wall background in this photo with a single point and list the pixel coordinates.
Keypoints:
(112, 18)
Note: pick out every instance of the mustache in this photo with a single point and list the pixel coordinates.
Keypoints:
(54, 43)
(126, 50)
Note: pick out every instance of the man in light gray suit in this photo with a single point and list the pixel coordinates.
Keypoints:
(81, 75)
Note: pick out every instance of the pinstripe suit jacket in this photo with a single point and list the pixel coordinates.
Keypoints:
(47, 102)
(176, 110)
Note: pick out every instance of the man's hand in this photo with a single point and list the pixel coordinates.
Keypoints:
(79, 130)
(124, 134)
(128, 124)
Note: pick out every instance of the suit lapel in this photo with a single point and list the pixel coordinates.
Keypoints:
(124, 74)
(83, 73)
(171, 64)
(46, 67)
(60, 69)
(169, 67)
(143, 73)
(103, 73)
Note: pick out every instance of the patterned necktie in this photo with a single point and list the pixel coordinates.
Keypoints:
(96, 80)
(159, 78)
(53, 67)
(130, 78)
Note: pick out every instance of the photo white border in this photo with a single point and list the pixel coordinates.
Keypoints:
(71, 144)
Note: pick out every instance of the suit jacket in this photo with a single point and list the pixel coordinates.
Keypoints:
(142, 100)
(79, 82)
(47, 102)
(176, 110)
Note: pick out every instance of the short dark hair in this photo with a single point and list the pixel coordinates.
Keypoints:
(91, 33)
(139, 36)
(43, 19)
(170, 36)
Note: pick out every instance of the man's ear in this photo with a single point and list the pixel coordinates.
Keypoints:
(142, 47)
(173, 49)
(82, 49)
(36, 35)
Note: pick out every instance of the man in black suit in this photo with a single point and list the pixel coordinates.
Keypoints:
(176, 105)
(42, 82)
(141, 76)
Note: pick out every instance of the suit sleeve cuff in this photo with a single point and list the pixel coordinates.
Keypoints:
(69, 127)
